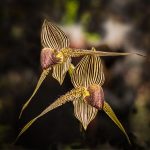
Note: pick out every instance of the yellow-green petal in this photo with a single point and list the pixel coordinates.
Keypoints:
(41, 79)
(72, 95)
(108, 110)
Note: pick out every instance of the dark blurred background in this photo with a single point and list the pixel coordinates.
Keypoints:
(108, 25)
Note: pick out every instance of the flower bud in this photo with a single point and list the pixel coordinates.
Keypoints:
(96, 98)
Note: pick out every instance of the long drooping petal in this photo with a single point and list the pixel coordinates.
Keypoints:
(82, 52)
(60, 70)
(42, 77)
(84, 112)
(69, 96)
(53, 37)
(108, 110)
(88, 71)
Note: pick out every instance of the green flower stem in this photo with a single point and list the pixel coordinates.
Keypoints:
(71, 69)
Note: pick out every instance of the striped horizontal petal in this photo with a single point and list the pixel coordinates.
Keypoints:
(82, 52)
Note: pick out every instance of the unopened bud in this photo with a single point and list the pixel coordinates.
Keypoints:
(96, 98)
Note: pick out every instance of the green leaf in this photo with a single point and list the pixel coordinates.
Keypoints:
(108, 110)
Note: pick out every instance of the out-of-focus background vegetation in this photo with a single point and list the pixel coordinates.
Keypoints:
(109, 25)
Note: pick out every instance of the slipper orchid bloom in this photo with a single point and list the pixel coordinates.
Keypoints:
(87, 95)
(56, 54)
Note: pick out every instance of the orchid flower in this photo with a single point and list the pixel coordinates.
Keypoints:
(56, 54)
(87, 95)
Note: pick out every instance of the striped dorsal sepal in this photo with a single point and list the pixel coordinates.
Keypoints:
(53, 37)
(88, 71)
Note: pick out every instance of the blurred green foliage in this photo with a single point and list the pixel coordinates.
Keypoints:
(71, 8)
(92, 37)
